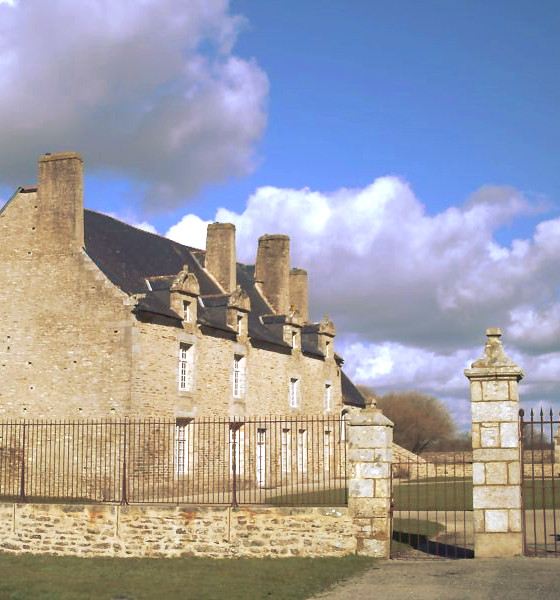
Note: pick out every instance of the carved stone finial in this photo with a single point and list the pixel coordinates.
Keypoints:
(494, 359)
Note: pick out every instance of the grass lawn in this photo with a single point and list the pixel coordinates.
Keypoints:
(456, 494)
(335, 497)
(29, 577)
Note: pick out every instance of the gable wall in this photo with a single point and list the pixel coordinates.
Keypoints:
(65, 331)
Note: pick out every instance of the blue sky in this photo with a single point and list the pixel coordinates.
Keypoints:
(410, 150)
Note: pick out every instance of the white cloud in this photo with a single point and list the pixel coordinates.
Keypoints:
(411, 293)
(190, 231)
(150, 90)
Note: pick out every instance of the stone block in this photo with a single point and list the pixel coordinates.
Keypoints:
(475, 432)
(479, 474)
(509, 435)
(489, 436)
(495, 455)
(498, 545)
(373, 470)
(515, 522)
(364, 508)
(476, 391)
(496, 521)
(362, 455)
(495, 390)
(494, 412)
(496, 473)
(514, 391)
(382, 488)
(360, 488)
(479, 521)
(368, 436)
(496, 497)
(514, 473)
(373, 548)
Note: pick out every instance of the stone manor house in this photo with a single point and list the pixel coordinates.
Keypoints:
(103, 320)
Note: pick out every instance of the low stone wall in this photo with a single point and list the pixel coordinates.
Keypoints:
(175, 531)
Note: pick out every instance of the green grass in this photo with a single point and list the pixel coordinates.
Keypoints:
(540, 493)
(456, 494)
(433, 494)
(28, 577)
(428, 529)
(336, 497)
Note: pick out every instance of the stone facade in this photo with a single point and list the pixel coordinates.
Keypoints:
(175, 531)
(90, 331)
(496, 451)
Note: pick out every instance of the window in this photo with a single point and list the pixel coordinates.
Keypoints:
(327, 451)
(186, 310)
(343, 419)
(327, 399)
(286, 451)
(183, 449)
(239, 325)
(294, 339)
(238, 376)
(302, 451)
(327, 349)
(237, 450)
(294, 393)
(261, 457)
(185, 367)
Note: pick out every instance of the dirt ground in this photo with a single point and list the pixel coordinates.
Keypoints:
(477, 579)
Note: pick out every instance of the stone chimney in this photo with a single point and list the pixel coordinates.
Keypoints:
(272, 271)
(220, 255)
(299, 299)
(60, 200)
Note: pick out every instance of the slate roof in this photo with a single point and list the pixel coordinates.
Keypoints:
(130, 257)
(350, 393)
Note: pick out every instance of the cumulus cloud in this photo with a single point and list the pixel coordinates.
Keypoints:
(150, 90)
(412, 293)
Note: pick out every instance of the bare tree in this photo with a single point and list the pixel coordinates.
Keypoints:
(419, 419)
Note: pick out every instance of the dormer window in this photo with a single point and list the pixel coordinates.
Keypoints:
(187, 310)
(239, 324)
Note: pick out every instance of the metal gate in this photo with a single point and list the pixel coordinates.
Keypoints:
(540, 460)
(432, 505)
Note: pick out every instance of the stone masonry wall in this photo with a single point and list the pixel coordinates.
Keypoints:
(65, 332)
(175, 531)
(266, 378)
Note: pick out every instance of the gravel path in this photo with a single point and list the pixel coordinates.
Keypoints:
(478, 579)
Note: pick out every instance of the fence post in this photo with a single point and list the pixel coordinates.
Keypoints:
(370, 439)
(497, 473)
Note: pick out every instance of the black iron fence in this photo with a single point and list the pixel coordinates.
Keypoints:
(432, 506)
(541, 482)
(282, 461)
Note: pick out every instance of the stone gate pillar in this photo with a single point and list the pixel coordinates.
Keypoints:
(496, 451)
(370, 441)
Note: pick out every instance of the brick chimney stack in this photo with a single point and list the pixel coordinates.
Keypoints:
(60, 201)
(220, 257)
(272, 271)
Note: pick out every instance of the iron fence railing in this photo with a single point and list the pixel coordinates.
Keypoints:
(540, 460)
(283, 461)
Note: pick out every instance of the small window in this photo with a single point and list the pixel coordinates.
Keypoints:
(327, 349)
(187, 311)
(183, 448)
(238, 376)
(286, 451)
(294, 393)
(294, 339)
(185, 367)
(239, 325)
(328, 397)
